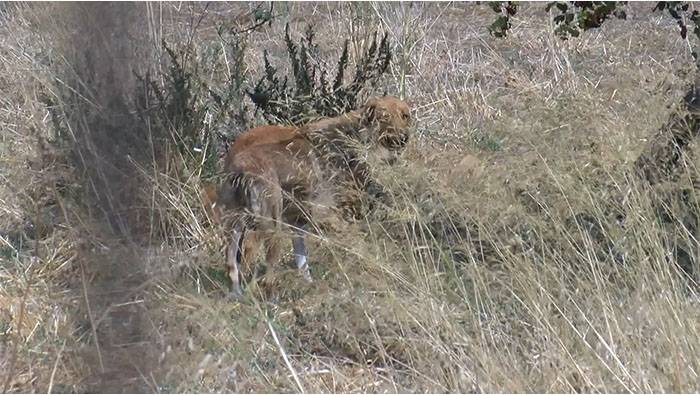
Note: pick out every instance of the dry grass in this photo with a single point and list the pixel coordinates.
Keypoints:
(519, 253)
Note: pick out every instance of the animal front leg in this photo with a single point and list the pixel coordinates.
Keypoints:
(234, 267)
(301, 256)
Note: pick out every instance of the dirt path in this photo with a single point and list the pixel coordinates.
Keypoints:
(123, 354)
(105, 47)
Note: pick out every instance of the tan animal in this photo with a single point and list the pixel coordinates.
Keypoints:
(275, 172)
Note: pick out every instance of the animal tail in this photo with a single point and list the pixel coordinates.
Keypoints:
(253, 198)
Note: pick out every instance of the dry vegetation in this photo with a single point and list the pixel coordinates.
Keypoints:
(519, 252)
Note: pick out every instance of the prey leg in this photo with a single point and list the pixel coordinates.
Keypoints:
(234, 266)
(301, 255)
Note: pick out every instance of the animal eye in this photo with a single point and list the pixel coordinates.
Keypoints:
(405, 116)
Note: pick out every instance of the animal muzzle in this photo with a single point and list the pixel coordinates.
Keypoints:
(395, 141)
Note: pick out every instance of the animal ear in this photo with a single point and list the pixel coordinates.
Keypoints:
(369, 112)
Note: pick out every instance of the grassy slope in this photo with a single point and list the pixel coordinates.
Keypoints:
(478, 278)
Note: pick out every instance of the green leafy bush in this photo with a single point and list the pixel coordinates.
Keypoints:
(199, 115)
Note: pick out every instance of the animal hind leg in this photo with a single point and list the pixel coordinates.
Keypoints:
(265, 204)
(301, 255)
(251, 244)
(234, 265)
(271, 224)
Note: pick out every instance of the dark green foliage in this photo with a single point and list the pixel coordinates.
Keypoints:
(311, 93)
(573, 17)
(198, 116)
(679, 11)
(676, 9)
(578, 16)
(229, 111)
(499, 28)
(172, 106)
(263, 15)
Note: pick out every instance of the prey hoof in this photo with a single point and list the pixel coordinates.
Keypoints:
(307, 276)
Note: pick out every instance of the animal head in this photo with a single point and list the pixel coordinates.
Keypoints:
(389, 121)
